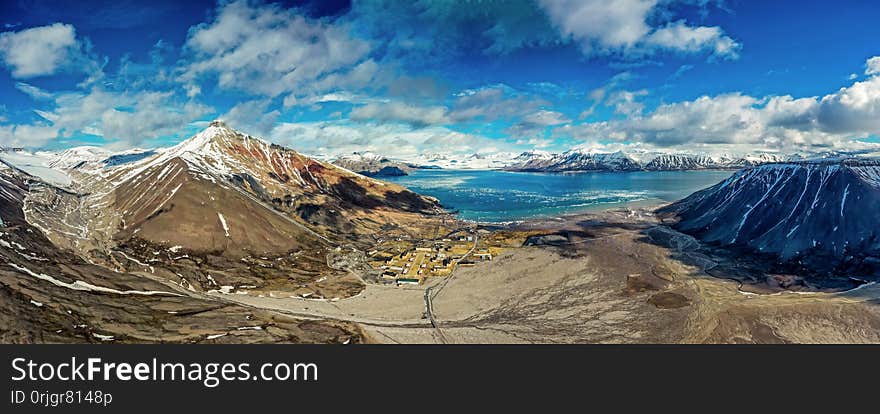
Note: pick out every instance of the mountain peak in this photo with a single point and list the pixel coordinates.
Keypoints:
(217, 132)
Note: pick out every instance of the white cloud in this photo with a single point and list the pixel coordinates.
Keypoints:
(267, 50)
(252, 116)
(621, 26)
(597, 96)
(129, 117)
(742, 123)
(40, 51)
(493, 102)
(401, 112)
(34, 135)
(872, 66)
(681, 37)
(852, 109)
(332, 138)
(546, 118)
(33, 91)
(485, 104)
(535, 124)
(603, 24)
(626, 102)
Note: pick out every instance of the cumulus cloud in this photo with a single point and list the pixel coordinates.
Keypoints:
(599, 23)
(681, 37)
(268, 50)
(852, 109)
(738, 122)
(331, 138)
(484, 104)
(253, 117)
(535, 124)
(129, 117)
(33, 135)
(40, 51)
(621, 27)
(494, 102)
(872, 66)
(626, 102)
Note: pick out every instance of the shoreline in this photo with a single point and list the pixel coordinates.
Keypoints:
(649, 204)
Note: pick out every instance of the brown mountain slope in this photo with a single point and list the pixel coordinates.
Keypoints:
(48, 294)
(225, 191)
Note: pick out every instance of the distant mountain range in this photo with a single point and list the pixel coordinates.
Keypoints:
(818, 214)
(489, 161)
(371, 164)
(579, 160)
(374, 165)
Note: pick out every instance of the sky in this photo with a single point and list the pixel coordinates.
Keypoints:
(410, 78)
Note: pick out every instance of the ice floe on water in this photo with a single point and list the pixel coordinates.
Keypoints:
(501, 196)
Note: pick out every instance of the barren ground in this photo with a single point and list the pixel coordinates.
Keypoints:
(599, 278)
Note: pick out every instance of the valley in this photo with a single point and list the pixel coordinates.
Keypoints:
(228, 238)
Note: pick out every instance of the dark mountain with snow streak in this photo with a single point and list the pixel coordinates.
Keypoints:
(822, 215)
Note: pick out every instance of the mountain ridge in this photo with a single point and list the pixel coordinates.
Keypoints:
(819, 214)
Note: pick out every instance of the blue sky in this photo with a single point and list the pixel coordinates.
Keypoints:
(420, 77)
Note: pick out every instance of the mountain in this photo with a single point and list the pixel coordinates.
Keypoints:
(224, 211)
(819, 214)
(50, 294)
(76, 157)
(580, 160)
(477, 161)
(227, 191)
(574, 160)
(676, 162)
(373, 165)
(752, 160)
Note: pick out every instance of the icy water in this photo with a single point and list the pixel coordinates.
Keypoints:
(500, 196)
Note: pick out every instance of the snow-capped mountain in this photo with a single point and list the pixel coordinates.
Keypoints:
(583, 160)
(219, 190)
(74, 157)
(752, 160)
(38, 165)
(478, 161)
(674, 162)
(813, 213)
(574, 160)
(120, 292)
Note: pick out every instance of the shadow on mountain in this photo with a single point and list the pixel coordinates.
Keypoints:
(352, 193)
(756, 272)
